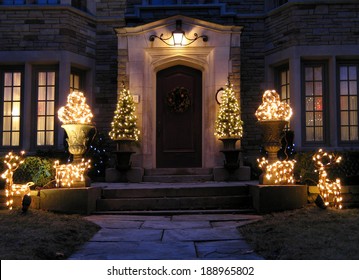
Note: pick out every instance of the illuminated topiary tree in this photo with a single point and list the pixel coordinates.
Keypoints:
(124, 125)
(229, 123)
(228, 127)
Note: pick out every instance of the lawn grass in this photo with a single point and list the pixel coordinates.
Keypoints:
(41, 235)
(309, 233)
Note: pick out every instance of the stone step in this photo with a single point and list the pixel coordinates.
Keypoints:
(174, 203)
(162, 190)
(173, 175)
(178, 171)
(174, 197)
(180, 175)
(177, 212)
(177, 178)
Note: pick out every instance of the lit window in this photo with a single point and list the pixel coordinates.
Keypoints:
(46, 88)
(76, 80)
(282, 84)
(348, 103)
(11, 85)
(313, 87)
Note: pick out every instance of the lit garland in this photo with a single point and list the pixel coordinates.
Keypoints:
(279, 171)
(124, 124)
(330, 191)
(76, 110)
(67, 174)
(12, 162)
(272, 108)
(229, 123)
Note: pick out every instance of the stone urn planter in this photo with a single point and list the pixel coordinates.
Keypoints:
(272, 137)
(77, 139)
(123, 154)
(231, 153)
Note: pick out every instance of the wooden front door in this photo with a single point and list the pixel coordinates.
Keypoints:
(179, 117)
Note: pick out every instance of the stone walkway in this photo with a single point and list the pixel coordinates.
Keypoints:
(183, 237)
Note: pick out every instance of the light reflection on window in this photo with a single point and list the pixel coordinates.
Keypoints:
(11, 109)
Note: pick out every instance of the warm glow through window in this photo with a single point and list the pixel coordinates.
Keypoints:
(314, 99)
(46, 108)
(348, 90)
(11, 108)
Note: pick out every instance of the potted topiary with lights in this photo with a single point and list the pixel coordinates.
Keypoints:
(76, 117)
(124, 129)
(273, 115)
(228, 126)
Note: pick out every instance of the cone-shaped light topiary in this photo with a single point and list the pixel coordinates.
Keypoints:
(76, 111)
(124, 125)
(229, 123)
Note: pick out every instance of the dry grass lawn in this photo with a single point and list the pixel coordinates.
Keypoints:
(40, 235)
(310, 233)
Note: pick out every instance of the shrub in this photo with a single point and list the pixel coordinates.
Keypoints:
(36, 169)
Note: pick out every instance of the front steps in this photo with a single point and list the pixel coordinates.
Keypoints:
(163, 198)
(178, 175)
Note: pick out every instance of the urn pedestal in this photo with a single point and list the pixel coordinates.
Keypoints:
(122, 157)
(272, 137)
(231, 154)
(272, 143)
(77, 141)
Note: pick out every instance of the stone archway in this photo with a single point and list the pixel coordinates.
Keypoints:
(144, 59)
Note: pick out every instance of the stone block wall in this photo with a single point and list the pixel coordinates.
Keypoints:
(110, 15)
(51, 28)
(312, 25)
(251, 80)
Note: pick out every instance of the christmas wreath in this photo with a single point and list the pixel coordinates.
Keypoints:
(178, 100)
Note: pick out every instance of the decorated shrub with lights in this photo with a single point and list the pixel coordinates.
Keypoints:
(124, 129)
(229, 123)
(273, 115)
(272, 108)
(76, 117)
(228, 127)
(76, 111)
(124, 124)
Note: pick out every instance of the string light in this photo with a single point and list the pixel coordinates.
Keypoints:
(12, 162)
(280, 171)
(229, 123)
(272, 108)
(124, 124)
(329, 190)
(76, 110)
(68, 174)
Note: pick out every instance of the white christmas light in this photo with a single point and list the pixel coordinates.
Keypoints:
(76, 111)
(272, 108)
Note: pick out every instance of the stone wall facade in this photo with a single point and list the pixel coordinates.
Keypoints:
(52, 28)
(269, 38)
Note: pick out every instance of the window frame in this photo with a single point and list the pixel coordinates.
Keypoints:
(34, 105)
(3, 70)
(338, 95)
(82, 78)
(325, 96)
(278, 85)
